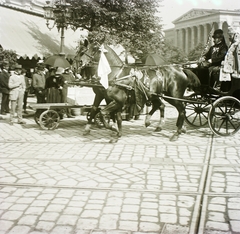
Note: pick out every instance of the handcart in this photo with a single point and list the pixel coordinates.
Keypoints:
(48, 115)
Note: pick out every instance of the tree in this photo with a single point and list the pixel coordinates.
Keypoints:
(196, 53)
(132, 23)
(8, 55)
(173, 54)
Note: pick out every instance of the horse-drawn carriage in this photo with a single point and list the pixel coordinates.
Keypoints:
(221, 110)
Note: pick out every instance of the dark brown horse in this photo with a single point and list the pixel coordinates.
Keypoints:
(170, 82)
(128, 90)
(89, 57)
(167, 82)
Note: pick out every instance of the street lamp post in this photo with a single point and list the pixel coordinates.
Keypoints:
(60, 12)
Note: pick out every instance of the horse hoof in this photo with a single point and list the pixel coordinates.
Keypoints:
(158, 129)
(174, 137)
(147, 124)
(113, 140)
(86, 132)
(183, 130)
(114, 129)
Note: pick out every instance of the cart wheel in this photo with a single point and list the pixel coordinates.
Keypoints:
(88, 115)
(224, 116)
(49, 120)
(196, 114)
(98, 119)
(37, 115)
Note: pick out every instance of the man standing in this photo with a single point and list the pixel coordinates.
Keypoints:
(17, 88)
(39, 83)
(4, 89)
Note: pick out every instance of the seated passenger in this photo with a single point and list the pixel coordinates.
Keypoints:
(215, 56)
(231, 64)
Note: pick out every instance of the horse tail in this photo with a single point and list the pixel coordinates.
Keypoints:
(194, 82)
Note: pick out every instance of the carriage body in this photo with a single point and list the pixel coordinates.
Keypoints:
(219, 109)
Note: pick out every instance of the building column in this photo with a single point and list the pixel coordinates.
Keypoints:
(176, 37)
(181, 39)
(220, 25)
(205, 32)
(192, 43)
(186, 40)
(199, 35)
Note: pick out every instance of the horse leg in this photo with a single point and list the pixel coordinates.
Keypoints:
(162, 119)
(118, 127)
(180, 121)
(110, 108)
(97, 100)
(156, 104)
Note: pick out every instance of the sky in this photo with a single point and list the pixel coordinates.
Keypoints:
(173, 9)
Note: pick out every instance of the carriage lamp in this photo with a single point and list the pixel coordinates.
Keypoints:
(60, 13)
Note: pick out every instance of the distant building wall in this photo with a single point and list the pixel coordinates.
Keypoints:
(194, 27)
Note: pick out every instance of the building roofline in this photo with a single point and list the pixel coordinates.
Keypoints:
(213, 11)
(21, 10)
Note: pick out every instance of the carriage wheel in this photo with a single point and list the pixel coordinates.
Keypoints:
(49, 120)
(98, 119)
(196, 114)
(224, 116)
(37, 115)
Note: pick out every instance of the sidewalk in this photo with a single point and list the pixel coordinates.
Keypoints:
(63, 182)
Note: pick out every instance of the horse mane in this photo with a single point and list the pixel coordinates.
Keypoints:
(112, 57)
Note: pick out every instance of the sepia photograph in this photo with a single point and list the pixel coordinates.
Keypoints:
(119, 117)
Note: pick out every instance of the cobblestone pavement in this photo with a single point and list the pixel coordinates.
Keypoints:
(63, 182)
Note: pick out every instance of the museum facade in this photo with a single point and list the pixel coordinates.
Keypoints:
(195, 26)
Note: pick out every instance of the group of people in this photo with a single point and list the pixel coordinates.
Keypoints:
(221, 60)
(49, 85)
(14, 86)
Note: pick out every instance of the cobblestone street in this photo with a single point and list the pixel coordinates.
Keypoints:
(63, 182)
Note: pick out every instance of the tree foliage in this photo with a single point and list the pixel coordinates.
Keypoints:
(173, 54)
(131, 23)
(195, 53)
(8, 55)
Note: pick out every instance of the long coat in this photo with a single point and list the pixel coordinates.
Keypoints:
(53, 87)
(4, 79)
(217, 53)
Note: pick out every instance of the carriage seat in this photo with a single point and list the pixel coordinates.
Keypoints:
(208, 81)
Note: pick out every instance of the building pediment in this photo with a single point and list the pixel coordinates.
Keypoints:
(194, 13)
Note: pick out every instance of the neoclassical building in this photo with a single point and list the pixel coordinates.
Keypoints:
(195, 26)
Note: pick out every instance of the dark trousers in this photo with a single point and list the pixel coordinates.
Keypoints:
(5, 103)
(40, 96)
(25, 100)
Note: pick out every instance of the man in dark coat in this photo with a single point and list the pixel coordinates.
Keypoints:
(215, 56)
(4, 89)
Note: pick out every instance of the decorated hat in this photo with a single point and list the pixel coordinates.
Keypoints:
(59, 71)
(17, 66)
(218, 33)
(5, 62)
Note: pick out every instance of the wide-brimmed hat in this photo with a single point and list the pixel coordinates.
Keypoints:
(5, 62)
(17, 66)
(218, 33)
(59, 71)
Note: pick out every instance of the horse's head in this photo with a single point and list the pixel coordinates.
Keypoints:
(89, 53)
